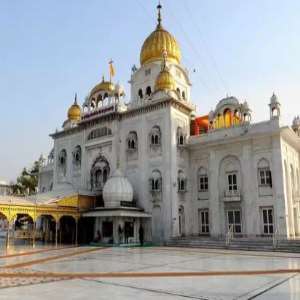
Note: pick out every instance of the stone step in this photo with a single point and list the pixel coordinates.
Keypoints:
(236, 244)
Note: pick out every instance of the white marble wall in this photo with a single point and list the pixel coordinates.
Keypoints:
(239, 148)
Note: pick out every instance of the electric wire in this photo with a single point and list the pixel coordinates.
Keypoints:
(205, 45)
(192, 47)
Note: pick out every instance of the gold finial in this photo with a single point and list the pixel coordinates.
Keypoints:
(159, 7)
(75, 100)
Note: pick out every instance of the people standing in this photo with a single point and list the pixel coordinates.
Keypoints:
(126, 233)
(120, 233)
(141, 235)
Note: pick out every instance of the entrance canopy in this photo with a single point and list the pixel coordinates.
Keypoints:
(118, 212)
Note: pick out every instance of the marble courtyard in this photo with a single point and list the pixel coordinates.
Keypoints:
(147, 273)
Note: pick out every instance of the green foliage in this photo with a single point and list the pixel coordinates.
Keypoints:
(27, 182)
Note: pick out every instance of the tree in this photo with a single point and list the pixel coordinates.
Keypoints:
(27, 182)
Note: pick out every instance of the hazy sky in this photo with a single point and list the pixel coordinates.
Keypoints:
(51, 49)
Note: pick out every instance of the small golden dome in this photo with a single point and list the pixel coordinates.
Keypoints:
(164, 81)
(74, 112)
(105, 86)
(156, 42)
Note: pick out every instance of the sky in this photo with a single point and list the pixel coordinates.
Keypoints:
(50, 50)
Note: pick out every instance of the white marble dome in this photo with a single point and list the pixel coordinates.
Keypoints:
(116, 189)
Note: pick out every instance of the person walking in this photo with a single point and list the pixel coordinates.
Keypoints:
(126, 233)
(141, 235)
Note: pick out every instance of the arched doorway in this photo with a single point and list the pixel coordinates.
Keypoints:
(67, 230)
(86, 230)
(46, 229)
(227, 118)
(23, 229)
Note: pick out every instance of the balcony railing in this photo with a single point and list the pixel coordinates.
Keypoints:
(232, 195)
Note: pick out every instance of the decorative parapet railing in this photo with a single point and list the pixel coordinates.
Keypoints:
(232, 196)
(99, 112)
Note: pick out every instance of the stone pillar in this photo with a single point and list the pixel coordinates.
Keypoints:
(281, 207)
(250, 219)
(214, 201)
(7, 234)
(33, 234)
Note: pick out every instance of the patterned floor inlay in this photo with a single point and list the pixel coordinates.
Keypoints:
(20, 278)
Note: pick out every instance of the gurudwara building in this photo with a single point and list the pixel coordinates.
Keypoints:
(153, 162)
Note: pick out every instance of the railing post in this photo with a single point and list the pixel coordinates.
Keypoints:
(229, 235)
(33, 234)
(275, 239)
(7, 235)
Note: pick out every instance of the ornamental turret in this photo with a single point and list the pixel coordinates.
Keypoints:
(274, 107)
(164, 80)
(296, 125)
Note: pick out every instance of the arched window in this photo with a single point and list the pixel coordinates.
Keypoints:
(155, 181)
(230, 178)
(99, 98)
(77, 156)
(99, 173)
(202, 180)
(181, 181)
(264, 173)
(227, 117)
(155, 136)
(178, 91)
(85, 109)
(180, 136)
(140, 93)
(105, 175)
(183, 95)
(62, 162)
(148, 91)
(132, 141)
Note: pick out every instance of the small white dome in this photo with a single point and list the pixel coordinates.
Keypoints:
(228, 101)
(116, 189)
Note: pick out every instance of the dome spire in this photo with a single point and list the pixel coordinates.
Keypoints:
(75, 100)
(158, 40)
(159, 7)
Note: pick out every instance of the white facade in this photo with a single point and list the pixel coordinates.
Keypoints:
(243, 176)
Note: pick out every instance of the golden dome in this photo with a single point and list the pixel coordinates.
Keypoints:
(74, 112)
(164, 81)
(106, 86)
(158, 41)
